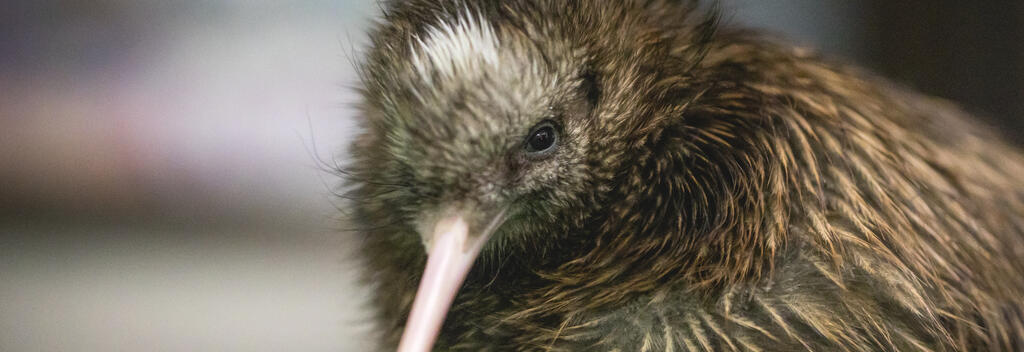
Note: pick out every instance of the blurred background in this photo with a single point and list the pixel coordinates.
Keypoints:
(160, 161)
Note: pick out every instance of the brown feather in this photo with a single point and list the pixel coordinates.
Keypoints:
(731, 193)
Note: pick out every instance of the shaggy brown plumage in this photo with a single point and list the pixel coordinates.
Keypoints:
(714, 190)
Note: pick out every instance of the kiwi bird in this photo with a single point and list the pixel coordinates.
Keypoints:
(633, 175)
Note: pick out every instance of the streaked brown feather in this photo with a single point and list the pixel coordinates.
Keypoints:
(741, 195)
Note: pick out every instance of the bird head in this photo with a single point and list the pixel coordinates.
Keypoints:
(491, 128)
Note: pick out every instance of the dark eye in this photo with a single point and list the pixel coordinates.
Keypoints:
(542, 139)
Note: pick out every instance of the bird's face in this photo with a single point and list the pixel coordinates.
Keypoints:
(488, 131)
(484, 126)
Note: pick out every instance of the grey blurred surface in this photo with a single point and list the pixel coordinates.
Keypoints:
(160, 176)
(177, 288)
(161, 182)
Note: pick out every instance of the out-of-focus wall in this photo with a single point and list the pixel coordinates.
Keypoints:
(971, 52)
(835, 28)
(193, 109)
(160, 187)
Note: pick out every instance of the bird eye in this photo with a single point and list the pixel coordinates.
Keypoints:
(542, 139)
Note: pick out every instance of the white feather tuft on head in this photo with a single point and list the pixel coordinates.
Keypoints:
(458, 45)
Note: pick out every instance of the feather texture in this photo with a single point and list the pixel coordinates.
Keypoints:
(719, 192)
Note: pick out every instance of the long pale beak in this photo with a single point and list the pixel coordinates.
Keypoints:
(450, 255)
